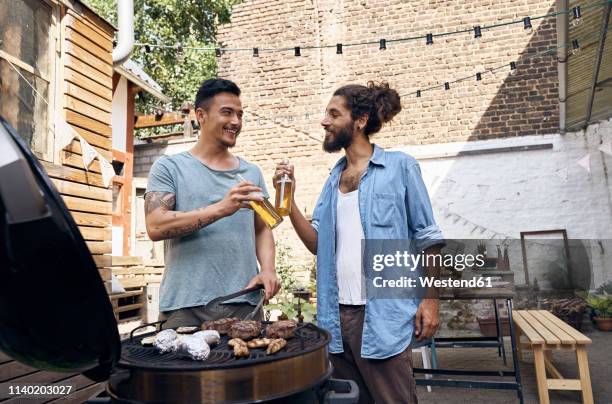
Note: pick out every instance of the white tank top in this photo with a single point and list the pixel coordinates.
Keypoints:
(349, 234)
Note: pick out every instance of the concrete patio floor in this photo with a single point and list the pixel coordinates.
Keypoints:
(600, 365)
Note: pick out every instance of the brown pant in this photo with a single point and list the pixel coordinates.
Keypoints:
(384, 381)
(195, 316)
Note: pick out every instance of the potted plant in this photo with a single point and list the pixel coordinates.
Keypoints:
(602, 306)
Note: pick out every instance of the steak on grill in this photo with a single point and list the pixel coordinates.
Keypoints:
(245, 330)
(222, 325)
(281, 329)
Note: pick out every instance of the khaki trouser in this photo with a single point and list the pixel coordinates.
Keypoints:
(384, 381)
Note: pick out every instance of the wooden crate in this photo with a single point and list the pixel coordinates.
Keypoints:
(134, 277)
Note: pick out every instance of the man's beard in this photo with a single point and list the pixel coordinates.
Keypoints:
(342, 139)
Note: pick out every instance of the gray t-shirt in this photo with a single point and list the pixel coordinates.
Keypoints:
(218, 259)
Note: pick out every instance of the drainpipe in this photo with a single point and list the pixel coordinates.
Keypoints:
(125, 35)
(562, 28)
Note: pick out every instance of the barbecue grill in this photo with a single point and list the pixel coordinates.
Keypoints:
(47, 274)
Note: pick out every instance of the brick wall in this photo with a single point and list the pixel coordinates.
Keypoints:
(285, 96)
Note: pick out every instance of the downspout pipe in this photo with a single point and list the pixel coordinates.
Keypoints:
(125, 35)
(562, 40)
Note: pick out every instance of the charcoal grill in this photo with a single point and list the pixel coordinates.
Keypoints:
(47, 273)
(301, 367)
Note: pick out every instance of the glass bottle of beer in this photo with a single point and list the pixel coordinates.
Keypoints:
(264, 208)
(284, 194)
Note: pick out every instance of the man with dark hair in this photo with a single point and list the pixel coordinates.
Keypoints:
(195, 203)
(370, 194)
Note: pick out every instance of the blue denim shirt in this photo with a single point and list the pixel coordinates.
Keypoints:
(393, 204)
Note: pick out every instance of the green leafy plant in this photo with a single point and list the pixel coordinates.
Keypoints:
(601, 304)
(284, 300)
(192, 23)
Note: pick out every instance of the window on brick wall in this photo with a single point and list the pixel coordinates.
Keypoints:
(28, 43)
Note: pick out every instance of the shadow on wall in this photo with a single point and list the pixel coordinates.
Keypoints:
(527, 102)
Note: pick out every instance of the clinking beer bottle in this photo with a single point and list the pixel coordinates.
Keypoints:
(264, 209)
(284, 194)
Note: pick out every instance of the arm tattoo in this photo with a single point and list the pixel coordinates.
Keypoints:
(167, 201)
(154, 200)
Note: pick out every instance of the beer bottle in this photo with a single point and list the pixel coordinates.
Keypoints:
(284, 194)
(264, 208)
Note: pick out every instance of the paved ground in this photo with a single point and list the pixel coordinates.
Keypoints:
(600, 365)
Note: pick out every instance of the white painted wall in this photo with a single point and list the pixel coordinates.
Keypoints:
(119, 115)
(499, 195)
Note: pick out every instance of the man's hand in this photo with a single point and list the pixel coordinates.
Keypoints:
(270, 282)
(282, 169)
(427, 319)
(238, 196)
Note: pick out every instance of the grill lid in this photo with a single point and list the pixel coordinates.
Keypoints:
(54, 310)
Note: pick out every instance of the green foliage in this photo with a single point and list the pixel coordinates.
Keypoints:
(602, 304)
(284, 300)
(190, 22)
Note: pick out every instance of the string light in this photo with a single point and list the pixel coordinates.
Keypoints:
(147, 48)
(339, 49)
(527, 25)
(218, 52)
(577, 16)
(255, 52)
(478, 76)
(447, 86)
(513, 68)
(296, 51)
(418, 93)
(575, 47)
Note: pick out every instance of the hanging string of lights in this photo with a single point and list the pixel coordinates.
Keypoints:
(576, 13)
(574, 47)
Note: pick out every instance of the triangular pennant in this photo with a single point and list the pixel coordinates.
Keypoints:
(483, 189)
(108, 172)
(585, 162)
(562, 173)
(64, 133)
(606, 148)
(88, 152)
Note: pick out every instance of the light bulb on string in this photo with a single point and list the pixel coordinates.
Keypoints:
(577, 16)
(513, 68)
(180, 54)
(527, 25)
(575, 47)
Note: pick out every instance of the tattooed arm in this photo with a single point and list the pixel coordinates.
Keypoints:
(163, 222)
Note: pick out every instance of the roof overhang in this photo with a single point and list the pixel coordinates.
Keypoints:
(141, 83)
(588, 87)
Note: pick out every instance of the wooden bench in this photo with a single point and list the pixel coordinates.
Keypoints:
(544, 333)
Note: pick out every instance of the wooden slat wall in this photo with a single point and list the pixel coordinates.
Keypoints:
(87, 99)
(87, 106)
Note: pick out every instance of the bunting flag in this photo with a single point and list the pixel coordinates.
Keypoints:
(64, 133)
(483, 189)
(108, 172)
(606, 148)
(585, 163)
(88, 152)
(563, 173)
